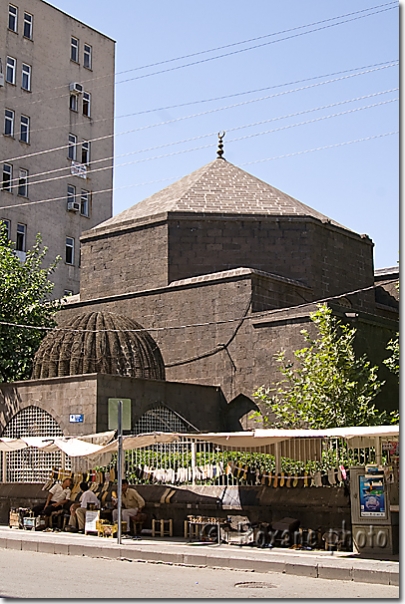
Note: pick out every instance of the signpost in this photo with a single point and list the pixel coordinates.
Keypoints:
(119, 477)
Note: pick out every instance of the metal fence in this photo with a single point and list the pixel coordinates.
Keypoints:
(302, 462)
(308, 462)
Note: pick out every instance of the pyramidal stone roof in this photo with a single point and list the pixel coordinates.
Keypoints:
(217, 188)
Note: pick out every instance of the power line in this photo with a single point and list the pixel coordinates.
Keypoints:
(368, 69)
(199, 137)
(232, 53)
(111, 189)
(383, 65)
(230, 141)
(195, 54)
(253, 316)
(200, 114)
(253, 47)
(358, 140)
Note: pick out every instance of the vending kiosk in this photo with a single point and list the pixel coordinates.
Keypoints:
(374, 510)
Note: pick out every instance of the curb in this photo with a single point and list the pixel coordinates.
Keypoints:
(321, 570)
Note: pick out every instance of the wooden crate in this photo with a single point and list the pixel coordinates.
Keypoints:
(14, 519)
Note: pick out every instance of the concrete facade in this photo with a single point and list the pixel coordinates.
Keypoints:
(51, 120)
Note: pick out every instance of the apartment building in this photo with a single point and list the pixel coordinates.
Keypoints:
(57, 124)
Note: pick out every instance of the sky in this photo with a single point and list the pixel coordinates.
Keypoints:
(306, 92)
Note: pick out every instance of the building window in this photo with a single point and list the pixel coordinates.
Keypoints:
(85, 203)
(7, 227)
(74, 102)
(23, 183)
(87, 56)
(26, 77)
(21, 238)
(74, 49)
(10, 70)
(7, 177)
(70, 250)
(85, 152)
(25, 129)
(12, 17)
(8, 122)
(72, 148)
(71, 193)
(86, 104)
(28, 26)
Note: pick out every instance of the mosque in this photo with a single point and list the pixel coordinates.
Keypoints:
(186, 297)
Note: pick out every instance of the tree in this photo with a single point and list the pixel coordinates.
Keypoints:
(393, 345)
(393, 361)
(24, 300)
(328, 386)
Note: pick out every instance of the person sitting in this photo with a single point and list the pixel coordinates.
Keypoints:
(132, 503)
(58, 499)
(77, 518)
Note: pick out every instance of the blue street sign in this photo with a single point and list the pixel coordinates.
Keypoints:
(77, 418)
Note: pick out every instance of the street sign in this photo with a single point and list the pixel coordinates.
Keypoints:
(76, 418)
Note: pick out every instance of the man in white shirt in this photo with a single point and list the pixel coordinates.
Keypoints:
(77, 518)
(58, 498)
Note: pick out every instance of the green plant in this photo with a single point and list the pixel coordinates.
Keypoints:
(327, 386)
(25, 291)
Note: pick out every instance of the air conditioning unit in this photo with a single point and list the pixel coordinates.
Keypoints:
(76, 88)
(73, 206)
(1, 79)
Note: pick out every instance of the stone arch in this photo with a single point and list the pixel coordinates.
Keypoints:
(31, 464)
(161, 419)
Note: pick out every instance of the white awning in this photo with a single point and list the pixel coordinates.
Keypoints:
(86, 445)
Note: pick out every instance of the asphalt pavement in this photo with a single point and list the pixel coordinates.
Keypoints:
(174, 550)
(32, 576)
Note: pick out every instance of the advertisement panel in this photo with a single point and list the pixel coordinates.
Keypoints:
(372, 496)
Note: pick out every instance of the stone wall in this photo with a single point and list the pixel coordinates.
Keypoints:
(202, 406)
(323, 508)
(224, 344)
(58, 396)
(327, 259)
(146, 254)
(122, 261)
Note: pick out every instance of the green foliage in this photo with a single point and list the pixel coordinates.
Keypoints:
(393, 345)
(328, 386)
(393, 361)
(24, 300)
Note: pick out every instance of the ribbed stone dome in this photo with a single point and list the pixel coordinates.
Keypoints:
(101, 343)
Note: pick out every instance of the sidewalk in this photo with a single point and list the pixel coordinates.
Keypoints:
(326, 565)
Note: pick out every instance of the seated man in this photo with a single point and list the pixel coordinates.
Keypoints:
(77, 518)
(58, 498)
(132, 503)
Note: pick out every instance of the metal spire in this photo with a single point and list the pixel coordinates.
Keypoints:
(220, 150)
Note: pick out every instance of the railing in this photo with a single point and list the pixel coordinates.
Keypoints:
(302, 462)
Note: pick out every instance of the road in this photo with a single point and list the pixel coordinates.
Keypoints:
(25, 574)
